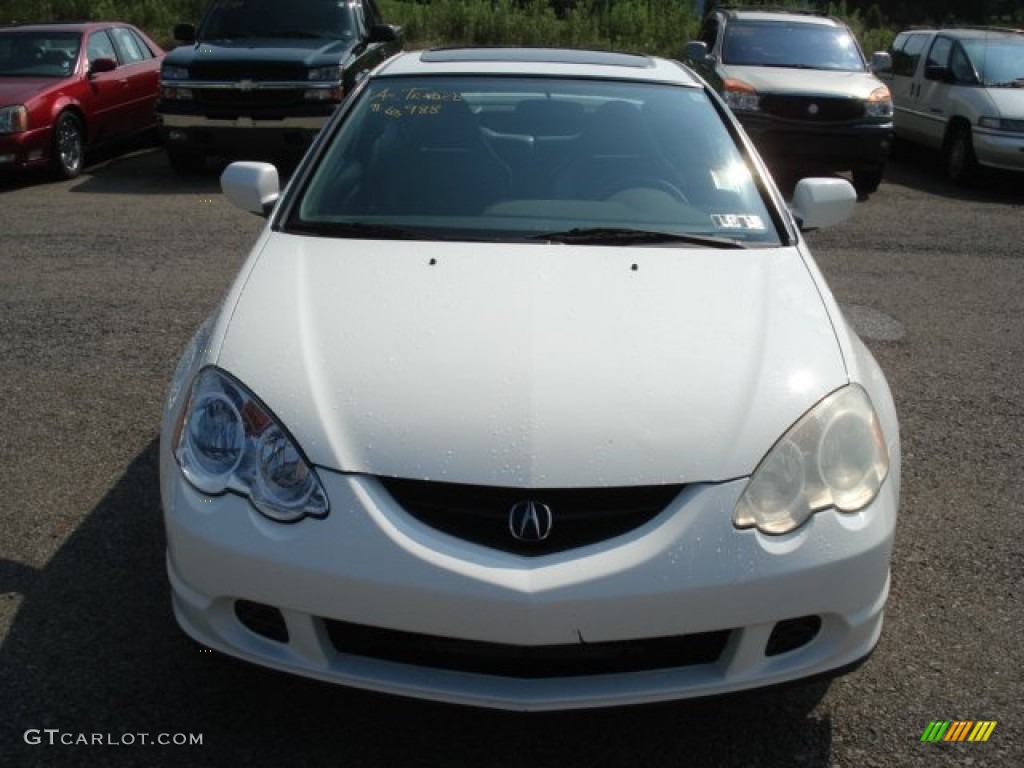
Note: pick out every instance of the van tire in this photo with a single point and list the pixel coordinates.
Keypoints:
(961, 162)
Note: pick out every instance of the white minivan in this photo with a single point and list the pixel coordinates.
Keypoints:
(961, 91)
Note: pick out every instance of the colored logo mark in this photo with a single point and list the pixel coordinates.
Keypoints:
(958, 730)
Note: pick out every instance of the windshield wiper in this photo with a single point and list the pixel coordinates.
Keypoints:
(1017, 83)
(625, 236)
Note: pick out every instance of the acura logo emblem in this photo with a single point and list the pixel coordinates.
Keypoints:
(813, 109)
(530, 521)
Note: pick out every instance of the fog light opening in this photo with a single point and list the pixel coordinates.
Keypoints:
(791, 634)
(263, 620)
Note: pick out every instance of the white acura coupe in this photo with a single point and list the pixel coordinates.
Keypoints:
(531, 396)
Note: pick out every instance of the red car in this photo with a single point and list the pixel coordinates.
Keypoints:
(68, 87)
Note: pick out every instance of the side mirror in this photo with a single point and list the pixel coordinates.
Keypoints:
(822, 202)
(383, 33)
(942, 74)
(96, 66)
(185, 33)
(253, 187)
(696, 51)
(881, 61)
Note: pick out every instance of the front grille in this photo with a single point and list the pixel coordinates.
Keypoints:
(481, 514)
(247, 70)
(528, 662)
(811, 109)
(255, 99)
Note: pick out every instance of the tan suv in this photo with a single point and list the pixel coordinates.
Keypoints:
(801, 87)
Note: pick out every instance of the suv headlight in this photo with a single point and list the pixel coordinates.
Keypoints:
(13, 119)
(174, 73)
(227, 440)
(325, 74)
(834, 456)
(740, 96)
(879, 103)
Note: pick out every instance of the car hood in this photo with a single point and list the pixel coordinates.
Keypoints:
(261, 50)
(1009, 102)
(857, 85)
(532, 365)
(23, 90)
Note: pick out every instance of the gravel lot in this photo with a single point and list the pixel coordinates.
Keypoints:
(102, 281)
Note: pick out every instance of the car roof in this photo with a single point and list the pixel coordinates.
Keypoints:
(973, 33)
(63, 26)
(793, 16)
(531, 62)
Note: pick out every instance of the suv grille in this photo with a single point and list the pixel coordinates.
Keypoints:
(481, 514)
(247, 70)
(225, 97)
(544, 661)
(812, 109)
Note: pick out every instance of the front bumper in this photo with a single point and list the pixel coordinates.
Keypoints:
(997, 149)
(240, 135)
(30, 149)
(370, 568)
(819, 147)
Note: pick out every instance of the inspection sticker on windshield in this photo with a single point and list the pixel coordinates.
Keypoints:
(737, 221)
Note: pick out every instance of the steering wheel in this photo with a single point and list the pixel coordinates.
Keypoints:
(644, 182)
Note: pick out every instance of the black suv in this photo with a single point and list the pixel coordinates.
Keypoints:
(799, 84)
(260, 77)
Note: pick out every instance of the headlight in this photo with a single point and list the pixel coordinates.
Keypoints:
(174, 73)
(1002, 124)
(227, 440)
(325, 74)
(740, 96)
(834, 456)
(879, 103)
(13, 119)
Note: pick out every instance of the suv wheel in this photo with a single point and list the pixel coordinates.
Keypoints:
(866, 180)
(68, 149)
(961, 163)
(186, 162)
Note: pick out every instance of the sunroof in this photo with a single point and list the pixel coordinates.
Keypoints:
(541, 55)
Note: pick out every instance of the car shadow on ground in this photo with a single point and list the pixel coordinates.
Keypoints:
(94, 649)
(922, 169)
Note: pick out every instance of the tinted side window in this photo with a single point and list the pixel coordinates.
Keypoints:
(938, 55)
(130, 50)
(370, 13)
(709, 33)
(906, 58)
(961, 66)
(100, 47)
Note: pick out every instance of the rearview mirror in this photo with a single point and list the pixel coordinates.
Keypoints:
(96, 66)
(822, 202)
(697, 52)
(881, 61)
(253, 187)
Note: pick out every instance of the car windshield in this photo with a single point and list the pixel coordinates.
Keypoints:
(998, 62)
(798, 45)
(233, 19)
(534, 159)
(38, 54)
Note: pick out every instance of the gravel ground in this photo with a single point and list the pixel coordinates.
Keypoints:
(102, 281)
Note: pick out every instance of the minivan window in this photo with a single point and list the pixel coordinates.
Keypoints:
(906, 57)
(938, 56)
